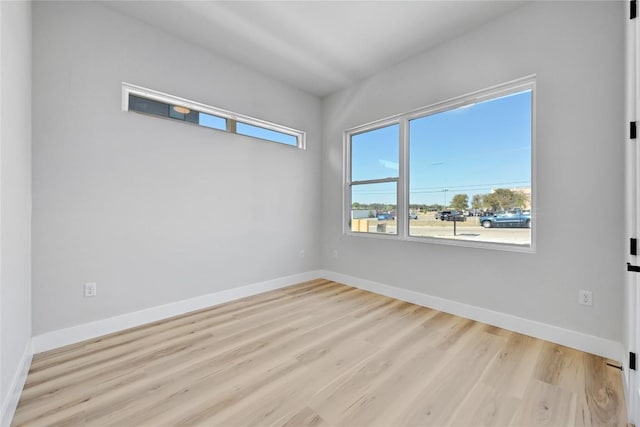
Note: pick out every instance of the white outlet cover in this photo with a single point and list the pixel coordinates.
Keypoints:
(585, 297)
(90, 289)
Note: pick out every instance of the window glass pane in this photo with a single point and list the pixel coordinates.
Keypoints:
(179, 112)
(268, 134)
(374, 154)
(167, 106)
(373, 208)
(473, 164)
(148, 106)
(214, 122)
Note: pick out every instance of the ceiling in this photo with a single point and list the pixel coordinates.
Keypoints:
(316, 46)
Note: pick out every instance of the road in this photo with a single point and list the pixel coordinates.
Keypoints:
(518, 236)
(468, 230)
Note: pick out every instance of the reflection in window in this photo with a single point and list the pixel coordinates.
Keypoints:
(159, 104)
(179, 112)
(176, 112)
(148, 106)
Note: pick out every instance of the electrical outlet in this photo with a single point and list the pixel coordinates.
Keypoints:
(90, 289)
(585, 297)
(301, 253)
(335, 253)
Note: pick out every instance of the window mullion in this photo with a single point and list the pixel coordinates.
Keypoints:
(374, 181)
(403, 180)
(231, 126)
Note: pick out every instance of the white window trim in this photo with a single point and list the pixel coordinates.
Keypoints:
(130, 89)
(402, 213)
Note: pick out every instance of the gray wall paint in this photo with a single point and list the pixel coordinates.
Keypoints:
(576, 50)
(152, 210)
(15, 188)
(156, 211)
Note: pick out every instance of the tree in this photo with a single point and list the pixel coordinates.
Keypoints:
(476, 202)
(491, 202)
(503, 199)
(520, 199)
(460, 202)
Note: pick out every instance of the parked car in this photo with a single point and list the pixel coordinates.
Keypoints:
(513, 218)
(451, 215)
(384, 216)
(413, 216)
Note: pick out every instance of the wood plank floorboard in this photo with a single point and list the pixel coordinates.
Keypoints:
(319, 354)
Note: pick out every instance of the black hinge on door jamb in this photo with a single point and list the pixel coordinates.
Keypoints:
(633, 246)
(632, 361)
(633, 9)
(633, 268)
(632, 130)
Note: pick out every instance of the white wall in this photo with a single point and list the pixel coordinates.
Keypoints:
(576, 49)
(155, 211)
(15, 195)
(114, 205)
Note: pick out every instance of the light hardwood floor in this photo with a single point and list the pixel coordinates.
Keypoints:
(319, 354)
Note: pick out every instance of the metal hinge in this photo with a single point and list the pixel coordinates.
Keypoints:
(633, 9)
(633, 246)
(633, 268)
(632, 361)
(632, 130)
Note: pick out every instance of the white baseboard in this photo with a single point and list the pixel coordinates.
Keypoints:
(578, 340)
(55, 339)
(627, 384)
(74, 334)
(10, 403)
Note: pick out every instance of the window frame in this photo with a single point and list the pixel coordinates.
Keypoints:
(357, 131)
(402, 208)
(231, 117)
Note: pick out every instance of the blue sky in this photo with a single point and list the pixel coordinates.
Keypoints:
(469, 150)
(220, 123)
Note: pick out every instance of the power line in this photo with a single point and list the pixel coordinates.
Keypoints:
(471, 186)
(433, 190)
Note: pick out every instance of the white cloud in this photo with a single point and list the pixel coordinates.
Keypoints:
(389, 165)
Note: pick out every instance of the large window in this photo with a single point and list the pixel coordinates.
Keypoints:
(458, 172)
(154, 103)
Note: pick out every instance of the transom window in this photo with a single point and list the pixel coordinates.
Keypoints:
(154, 103)
(458, 172)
